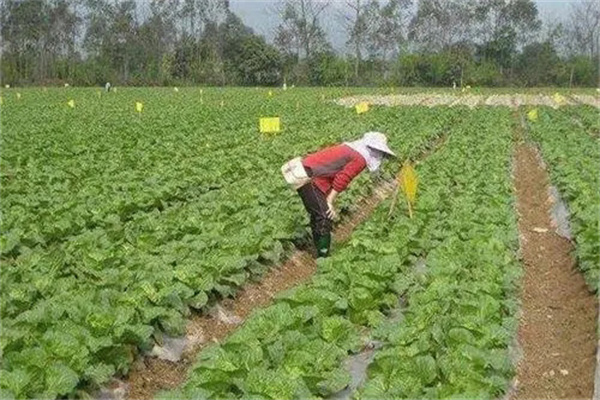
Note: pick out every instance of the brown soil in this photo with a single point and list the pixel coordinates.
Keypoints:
(151, 375)
(558, 316)
(468, 99)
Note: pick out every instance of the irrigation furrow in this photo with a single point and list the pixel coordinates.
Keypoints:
(557, 325)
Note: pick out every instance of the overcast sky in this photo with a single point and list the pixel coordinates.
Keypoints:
(261, 16)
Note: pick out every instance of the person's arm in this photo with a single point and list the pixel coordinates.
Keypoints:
(342, 180)
(330, 203)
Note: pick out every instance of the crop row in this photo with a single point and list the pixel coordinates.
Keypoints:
(573, 156)
(76, 311)
(455, 334)
(588, 116)
(456, 331)
(67, 171)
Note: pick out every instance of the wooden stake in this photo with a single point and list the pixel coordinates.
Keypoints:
(394, 199)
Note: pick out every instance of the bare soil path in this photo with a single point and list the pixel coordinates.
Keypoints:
(471, 100)
(557, 327)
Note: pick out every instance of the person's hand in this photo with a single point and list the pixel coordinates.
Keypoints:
(331, 213)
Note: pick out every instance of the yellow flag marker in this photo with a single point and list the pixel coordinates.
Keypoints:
(71, 103)
(533, 115)
(176, 89)
(270, 125)
(407, 181)
(559, 99)
(362, 107)
(139, 107)
(18, 96)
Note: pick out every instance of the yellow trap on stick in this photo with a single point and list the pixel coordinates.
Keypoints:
(362, 107)
(559, 99)
(407, 181)
(270, 125)
(533, 115)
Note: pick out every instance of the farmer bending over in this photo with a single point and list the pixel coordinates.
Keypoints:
(320, 177)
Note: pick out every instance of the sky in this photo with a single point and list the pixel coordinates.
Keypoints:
(262, 17)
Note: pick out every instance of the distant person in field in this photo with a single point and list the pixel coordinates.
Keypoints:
(319, 178)
(107, 87)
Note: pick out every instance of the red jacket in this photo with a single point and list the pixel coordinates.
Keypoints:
(334, 167)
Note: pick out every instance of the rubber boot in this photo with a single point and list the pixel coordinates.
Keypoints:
(323, 243)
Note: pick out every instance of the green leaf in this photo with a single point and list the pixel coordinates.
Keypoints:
(334, 381)
(199, 300)
(60, 380)
(100, 373)
(426, 369)
(16, 382)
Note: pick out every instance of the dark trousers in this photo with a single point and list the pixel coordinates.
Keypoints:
(315, 203)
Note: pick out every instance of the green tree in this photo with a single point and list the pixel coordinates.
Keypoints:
(538, 64)
(38, 36)
(327, 69)
(258, 63)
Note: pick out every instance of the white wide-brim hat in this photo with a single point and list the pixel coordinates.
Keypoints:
(377, 141)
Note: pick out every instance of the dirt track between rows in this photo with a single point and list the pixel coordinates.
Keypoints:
(557, 326)
(471, 100)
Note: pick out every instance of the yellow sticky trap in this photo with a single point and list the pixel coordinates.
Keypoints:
(362, 107)
(18, 96)
(270, 125)
(533, 115)
(559, 99)
(139, 107)
(407, 180)
(71, 103)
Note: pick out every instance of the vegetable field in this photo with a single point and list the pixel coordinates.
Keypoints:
(120, 222)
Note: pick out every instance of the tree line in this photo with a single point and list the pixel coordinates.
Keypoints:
(388, 42)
